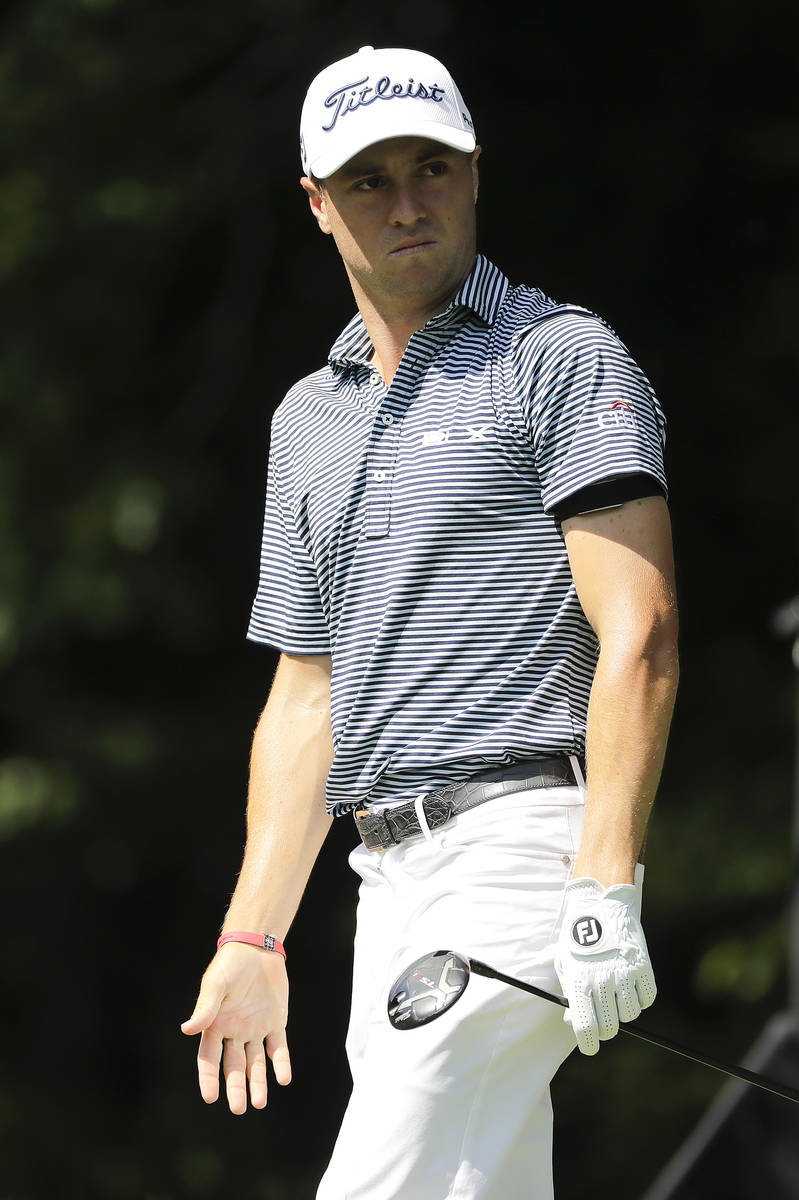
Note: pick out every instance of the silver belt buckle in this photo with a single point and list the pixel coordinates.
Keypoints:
(361, 814)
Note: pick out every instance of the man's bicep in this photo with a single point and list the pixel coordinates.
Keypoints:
(623, 565)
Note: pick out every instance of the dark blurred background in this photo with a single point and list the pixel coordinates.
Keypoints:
(163, 284)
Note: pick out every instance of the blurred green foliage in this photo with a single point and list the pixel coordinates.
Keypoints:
(162, 287)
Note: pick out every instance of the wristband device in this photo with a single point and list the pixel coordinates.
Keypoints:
(266, 941)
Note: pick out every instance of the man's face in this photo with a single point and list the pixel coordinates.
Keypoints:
(402, 216)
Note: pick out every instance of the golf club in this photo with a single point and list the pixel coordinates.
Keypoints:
(434, 982)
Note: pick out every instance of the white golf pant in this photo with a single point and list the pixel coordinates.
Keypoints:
(459, 1108)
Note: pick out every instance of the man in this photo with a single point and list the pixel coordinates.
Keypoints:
(467, 569)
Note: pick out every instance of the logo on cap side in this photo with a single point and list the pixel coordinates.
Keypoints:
(384, 89)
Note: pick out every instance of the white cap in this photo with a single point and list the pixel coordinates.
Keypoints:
(377, 94)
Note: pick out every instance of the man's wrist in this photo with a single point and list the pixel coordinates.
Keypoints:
(264, 941)
(606, 870)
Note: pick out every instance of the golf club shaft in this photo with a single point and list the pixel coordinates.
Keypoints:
(644, 1035)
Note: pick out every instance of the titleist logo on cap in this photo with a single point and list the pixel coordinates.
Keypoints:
(384, 89)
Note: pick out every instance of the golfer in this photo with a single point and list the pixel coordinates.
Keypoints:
(467, 570)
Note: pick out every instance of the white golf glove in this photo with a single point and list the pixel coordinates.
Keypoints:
(602, 960)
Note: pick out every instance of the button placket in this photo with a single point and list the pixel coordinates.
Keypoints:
(383, 451)
(381, 456)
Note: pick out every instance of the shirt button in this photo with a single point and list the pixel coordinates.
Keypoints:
(388, 419)
(379, 476)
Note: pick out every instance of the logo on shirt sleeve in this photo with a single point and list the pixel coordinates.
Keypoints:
(620, 413)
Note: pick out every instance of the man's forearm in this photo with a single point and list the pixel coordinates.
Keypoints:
(286, 820)
(629, 714)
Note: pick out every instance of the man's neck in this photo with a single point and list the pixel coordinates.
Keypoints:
(391, 327)
(390, 339)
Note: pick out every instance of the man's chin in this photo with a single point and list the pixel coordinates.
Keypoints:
(426, 280)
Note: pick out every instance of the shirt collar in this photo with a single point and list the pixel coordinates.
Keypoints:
(483, 291)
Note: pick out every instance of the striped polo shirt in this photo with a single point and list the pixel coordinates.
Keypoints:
(410, 533)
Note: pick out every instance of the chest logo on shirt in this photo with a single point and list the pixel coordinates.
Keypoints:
(620, 413)
(467, 433)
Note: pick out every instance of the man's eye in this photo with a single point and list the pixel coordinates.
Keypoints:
(368, 185)
(435, 168)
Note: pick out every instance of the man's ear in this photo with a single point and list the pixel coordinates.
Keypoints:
(316, 200)
(475, 173)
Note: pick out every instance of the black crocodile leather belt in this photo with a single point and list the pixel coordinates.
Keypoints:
(381, 828)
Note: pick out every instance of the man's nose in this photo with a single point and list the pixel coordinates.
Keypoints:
(407, 205)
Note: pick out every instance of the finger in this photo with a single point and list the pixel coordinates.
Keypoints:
(208, 1058)
(583, 1019)
(205, 1012)
(200, 1019)
(256, 1073)
(235, 1067)
(646, 986)
(278, 1050)
(627, 999)
(607, 1012)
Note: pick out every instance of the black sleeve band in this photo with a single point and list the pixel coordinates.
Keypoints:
(608, 494)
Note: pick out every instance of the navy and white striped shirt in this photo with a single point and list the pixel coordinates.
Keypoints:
(409, 532)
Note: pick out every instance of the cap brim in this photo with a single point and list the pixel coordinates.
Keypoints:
(327, 164)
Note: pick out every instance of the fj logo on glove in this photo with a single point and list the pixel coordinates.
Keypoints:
(587, 931)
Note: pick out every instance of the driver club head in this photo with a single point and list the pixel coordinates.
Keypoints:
(434, 982)
(427, 988)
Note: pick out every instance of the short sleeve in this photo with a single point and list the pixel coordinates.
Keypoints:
(287, 611)
(588, 407)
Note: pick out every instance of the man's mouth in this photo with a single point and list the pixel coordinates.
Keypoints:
(411, 247)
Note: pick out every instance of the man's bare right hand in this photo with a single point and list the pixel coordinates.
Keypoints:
(242, 1005)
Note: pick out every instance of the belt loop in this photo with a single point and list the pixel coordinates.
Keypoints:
(418, 808)
(578, 774)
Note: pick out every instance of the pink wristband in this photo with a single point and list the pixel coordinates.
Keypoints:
(265, 940)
